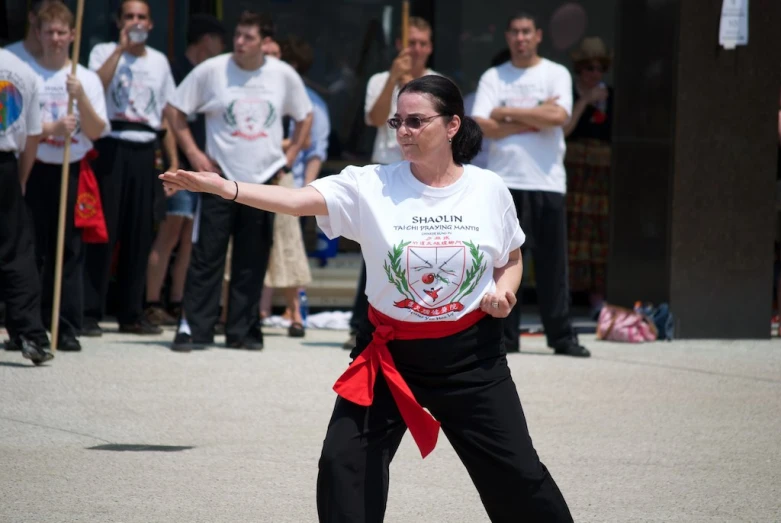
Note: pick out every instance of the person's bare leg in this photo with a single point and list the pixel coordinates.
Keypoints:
(182, 262)
(293, 304)
(167, 237)
(265, 302)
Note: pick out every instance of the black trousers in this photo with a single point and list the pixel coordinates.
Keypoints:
(43, 199)
(128, 184)
(543, 217)
(361, 303)
(20, 286)
(253, 233)
(464, 381)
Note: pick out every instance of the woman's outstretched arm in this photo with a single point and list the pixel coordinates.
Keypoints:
(298, 202)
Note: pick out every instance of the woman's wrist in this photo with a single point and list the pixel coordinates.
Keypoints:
(228, 189)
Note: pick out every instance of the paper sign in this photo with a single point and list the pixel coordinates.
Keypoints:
(733, 30)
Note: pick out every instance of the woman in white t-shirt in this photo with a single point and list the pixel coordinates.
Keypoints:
(441, 241)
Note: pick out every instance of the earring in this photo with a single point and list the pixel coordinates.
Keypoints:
(449, 140)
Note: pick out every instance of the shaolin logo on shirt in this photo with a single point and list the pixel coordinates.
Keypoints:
(11, 103)
(132, 94)
(249, 118)
(434, 280)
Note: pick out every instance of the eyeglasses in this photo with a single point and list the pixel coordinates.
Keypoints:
(411, 122)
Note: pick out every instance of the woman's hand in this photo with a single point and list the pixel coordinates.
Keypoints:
(498, 305)
(206, 182)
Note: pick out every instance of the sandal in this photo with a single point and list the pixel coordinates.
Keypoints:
(296, 330)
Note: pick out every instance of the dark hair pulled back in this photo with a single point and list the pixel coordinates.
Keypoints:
(447, 101)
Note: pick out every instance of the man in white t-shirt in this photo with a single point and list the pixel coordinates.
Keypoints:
(138, 84)
(244, 96)
(521, 106)
(87, 123)
(20, 129)
(382, 93)
(29, 49)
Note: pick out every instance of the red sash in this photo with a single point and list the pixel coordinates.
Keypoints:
(357, 382)
(88, 214)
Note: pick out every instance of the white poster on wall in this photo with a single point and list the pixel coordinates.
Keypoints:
(733, 29)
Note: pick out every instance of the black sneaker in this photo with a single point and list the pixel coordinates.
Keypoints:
(69, 344)
(253, 340)
(33, 351)
(571, 348)
(91, 329)
(183, 342)
(11, 345)
(142, 327)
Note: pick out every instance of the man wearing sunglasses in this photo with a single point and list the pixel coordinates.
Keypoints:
(522, 105)
(381, 94)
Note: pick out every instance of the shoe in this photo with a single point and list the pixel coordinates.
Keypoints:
(33, 351)
(296, 330)
(253, 340)
(11, 345)
(69, 344)
(183, 342)
(351, 342)
(141, 327)
(158, 316)
(91, 329)
(571, 348)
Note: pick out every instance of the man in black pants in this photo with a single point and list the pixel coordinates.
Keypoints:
(244, 96)
(522, 105)
(138, 84)
(20, 128)
(89, 121)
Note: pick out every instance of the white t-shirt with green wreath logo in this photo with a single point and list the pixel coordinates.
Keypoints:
(430, 252)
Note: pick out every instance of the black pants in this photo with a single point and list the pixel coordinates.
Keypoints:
(361, 303)
(20, 286)
(253, 232)
(43, 199)
(128, 184)
(464, 381)
(544, 220)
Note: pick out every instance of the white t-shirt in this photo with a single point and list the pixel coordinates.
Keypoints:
(20, 111)
(141, 87)
(532, 161)
(20, 51)
(430, 252)
(386, 149)
(54, 105)
(244, 111)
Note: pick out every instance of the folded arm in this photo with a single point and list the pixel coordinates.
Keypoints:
(544, 116)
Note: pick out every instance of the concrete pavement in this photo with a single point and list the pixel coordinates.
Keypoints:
(127, 431)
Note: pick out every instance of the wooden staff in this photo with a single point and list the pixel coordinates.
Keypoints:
(66, 157)
(404, 24)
